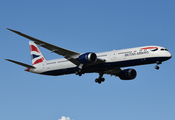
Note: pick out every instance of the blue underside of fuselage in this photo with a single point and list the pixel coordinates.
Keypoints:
(106, 66)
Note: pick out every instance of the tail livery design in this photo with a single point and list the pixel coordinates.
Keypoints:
(36, 55)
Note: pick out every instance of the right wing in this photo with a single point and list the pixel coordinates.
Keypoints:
(114, 72)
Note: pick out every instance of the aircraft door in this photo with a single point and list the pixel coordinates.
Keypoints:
(114, 55)
(145, 54)
(43, 65)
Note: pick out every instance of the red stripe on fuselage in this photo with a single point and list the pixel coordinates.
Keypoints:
(33, 48)
(150, 48)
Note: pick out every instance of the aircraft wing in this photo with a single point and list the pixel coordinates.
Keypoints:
(114, 72)
(68, 54)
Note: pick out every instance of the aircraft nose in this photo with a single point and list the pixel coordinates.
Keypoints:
(169, 55)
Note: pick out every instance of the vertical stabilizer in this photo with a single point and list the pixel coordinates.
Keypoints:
(37, 56)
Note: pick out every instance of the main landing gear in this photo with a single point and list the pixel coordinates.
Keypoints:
(100, 79)
(157, 67)
(79, 72)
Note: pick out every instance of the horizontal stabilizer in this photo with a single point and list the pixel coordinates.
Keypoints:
(19, 63)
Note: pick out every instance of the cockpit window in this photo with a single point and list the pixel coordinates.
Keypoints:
(163, 49)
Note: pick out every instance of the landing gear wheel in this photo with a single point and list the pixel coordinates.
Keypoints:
(102, 79)
(99, 80)
(96, 80)
(157, 67)
(158, 62)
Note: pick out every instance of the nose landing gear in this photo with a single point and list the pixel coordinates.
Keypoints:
(157, 67)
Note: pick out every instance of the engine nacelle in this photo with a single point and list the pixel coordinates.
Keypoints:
(127, 74)
(87, 58)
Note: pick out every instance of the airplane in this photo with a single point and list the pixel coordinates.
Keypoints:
(102, 63)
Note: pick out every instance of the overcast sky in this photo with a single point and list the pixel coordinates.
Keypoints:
(86, 26)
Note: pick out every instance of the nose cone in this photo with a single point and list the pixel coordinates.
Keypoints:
(169, 55)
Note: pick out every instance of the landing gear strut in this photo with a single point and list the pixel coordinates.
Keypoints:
(100, 78)
(79, 72)
(157, 67)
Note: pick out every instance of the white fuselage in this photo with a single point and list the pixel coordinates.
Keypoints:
(102, 63)
(113, 59)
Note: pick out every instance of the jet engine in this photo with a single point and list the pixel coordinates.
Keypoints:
(127, 74)
(89, 57)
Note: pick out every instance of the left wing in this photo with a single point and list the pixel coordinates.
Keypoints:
(68, 54)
